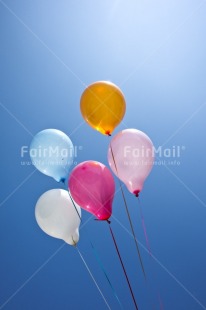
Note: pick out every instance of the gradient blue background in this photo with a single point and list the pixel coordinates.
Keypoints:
(156, 52)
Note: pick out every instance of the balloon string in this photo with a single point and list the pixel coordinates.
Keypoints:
(132, 228)
(91, 275)
(98, 258)
(144, 229)
(104, 271)
(148, 247)
(160, 302)
(123, 267)
(129, 217)
(74, 206)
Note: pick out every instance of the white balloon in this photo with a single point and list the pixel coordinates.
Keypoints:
(57, 216)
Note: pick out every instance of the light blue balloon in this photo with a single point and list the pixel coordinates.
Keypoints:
(52, 153)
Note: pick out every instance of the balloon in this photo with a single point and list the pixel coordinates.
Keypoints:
(103, 106)
(133, 153)
(92, 186)
(52, 153)
(57, 216)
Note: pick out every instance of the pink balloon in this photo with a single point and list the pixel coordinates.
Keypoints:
(133, 153)
(92, 187)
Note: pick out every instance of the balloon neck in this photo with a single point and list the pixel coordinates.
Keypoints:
(74, 242)
(72, 239)
(107, 132)
(62, 180)
(136, 192)
(103, 220)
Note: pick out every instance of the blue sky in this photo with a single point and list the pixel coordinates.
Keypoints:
(155, 52)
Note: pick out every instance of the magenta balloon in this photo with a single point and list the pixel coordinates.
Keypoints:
(134, 157)
(92, 187)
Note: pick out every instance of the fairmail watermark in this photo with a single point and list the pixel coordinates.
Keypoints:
(132, 156)
(54, 155)
(157, 156)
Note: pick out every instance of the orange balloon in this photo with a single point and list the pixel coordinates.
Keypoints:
(103, 106)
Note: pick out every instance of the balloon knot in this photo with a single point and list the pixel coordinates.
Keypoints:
(62, 180)
(136, 193)
(108, 221)
(107, 132)
(74, 243)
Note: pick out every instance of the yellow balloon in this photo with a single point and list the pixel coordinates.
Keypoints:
(103, 106)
